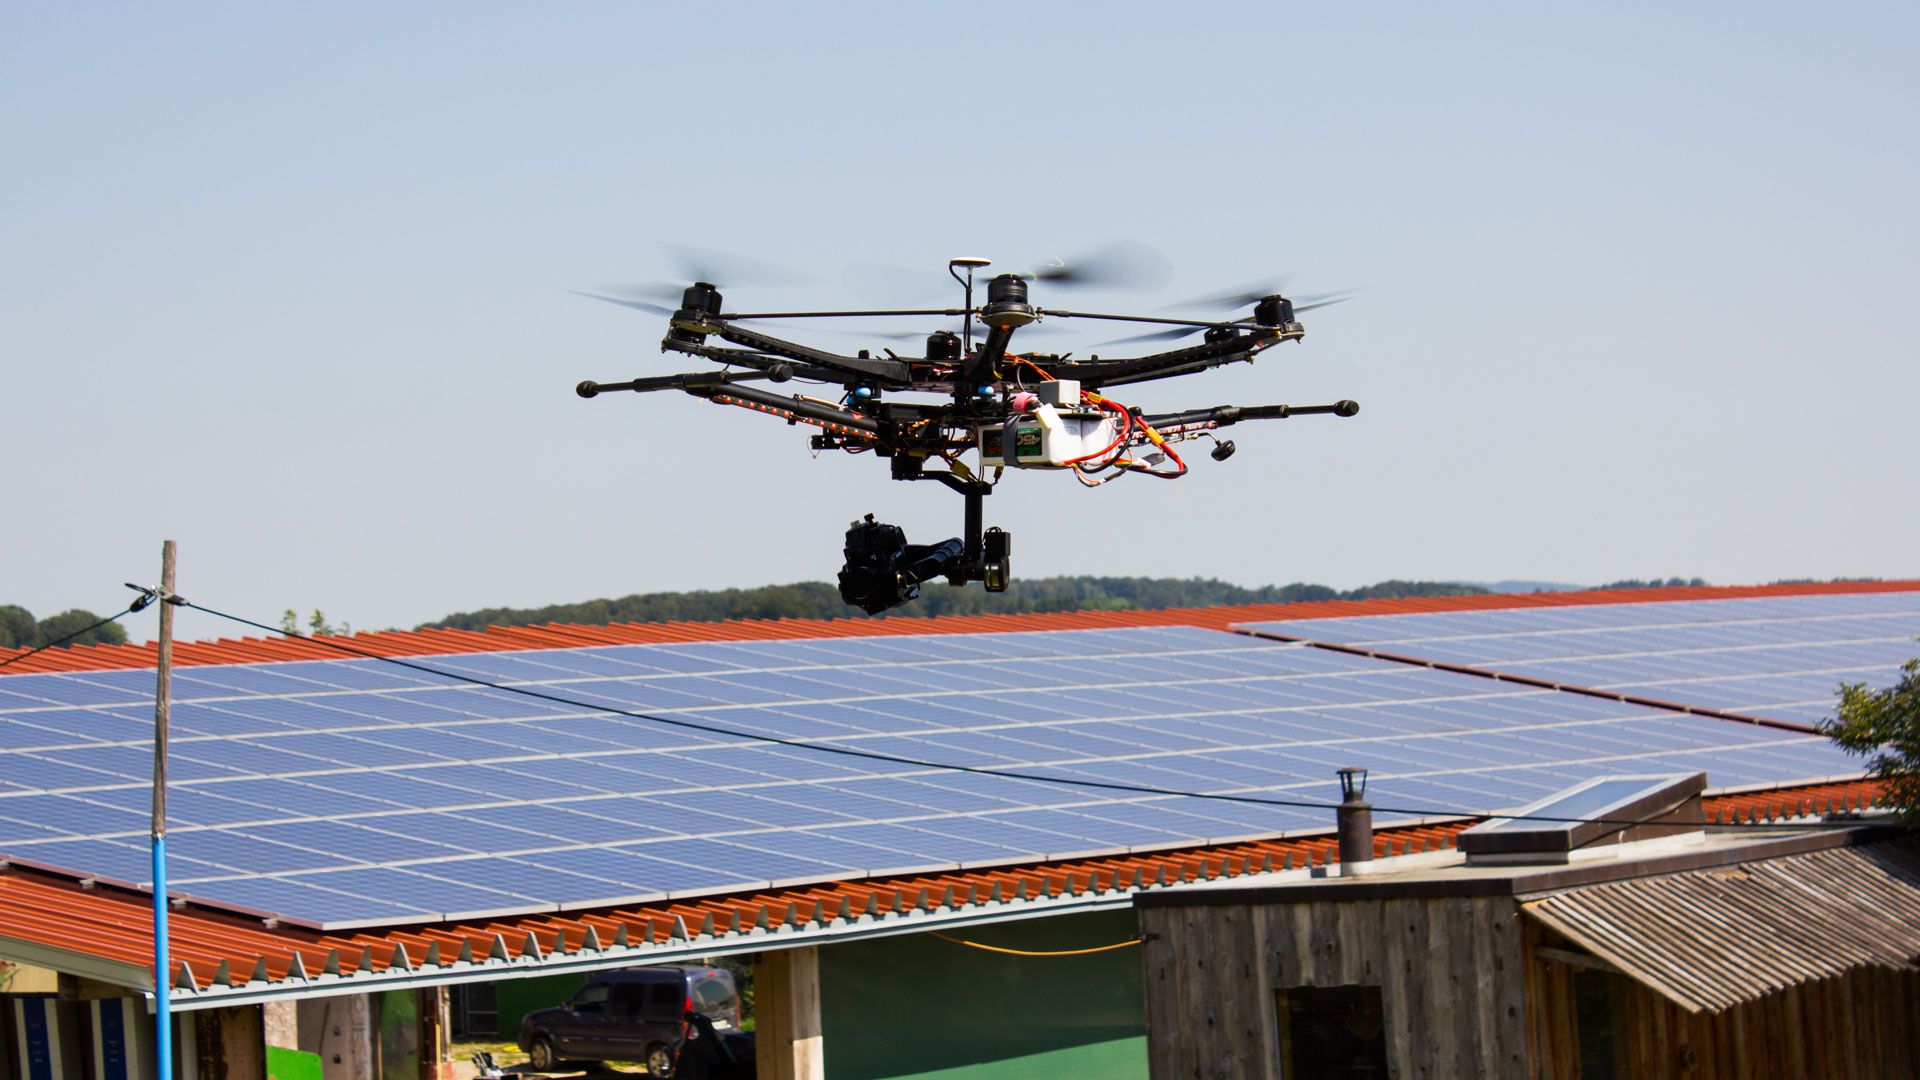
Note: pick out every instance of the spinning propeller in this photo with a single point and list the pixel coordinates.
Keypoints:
(1243, 296)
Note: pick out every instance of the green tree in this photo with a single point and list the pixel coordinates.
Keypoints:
(1884, 726)
(54, 627)
(819, 600)
(1653, 583)
(317, 625)
(18, 628)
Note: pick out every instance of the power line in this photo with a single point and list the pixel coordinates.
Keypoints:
(873, 755)
(146, 597)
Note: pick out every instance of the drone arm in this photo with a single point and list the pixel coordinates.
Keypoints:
(980, 369)
(1225, 415)
(761, 361)
(690, 382)
(886, 372)
(1097, 373)
(814, 412)
(1139, 374)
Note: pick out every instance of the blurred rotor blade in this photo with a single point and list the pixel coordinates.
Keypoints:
(1035, 330)
(1238, 296)
(1174, 334)
(848, 331)
(1323, 303)
(898, 283)
(1031, 330)
(1127, 264)
(642, 305)
(665, 292)
(727, 269)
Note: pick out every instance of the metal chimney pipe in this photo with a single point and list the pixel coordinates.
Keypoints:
(1355, 818)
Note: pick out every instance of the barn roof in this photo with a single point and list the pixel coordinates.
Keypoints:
(1712, 938)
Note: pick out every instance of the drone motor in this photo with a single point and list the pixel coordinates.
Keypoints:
(1007, 303)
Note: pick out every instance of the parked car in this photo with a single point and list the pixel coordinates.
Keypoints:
(630, 1015)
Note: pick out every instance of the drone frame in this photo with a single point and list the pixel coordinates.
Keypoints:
(980, 380)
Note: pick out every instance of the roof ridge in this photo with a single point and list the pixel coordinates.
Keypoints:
(429, 642)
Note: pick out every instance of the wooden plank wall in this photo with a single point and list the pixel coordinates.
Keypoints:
(1466, 995)
(1451, 973)
(1864, 1025)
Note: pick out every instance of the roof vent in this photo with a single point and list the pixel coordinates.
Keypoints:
(1590, 820)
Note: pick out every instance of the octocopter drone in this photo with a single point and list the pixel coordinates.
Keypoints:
(973, 394)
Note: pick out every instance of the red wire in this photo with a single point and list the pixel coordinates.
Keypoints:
(1125, 428)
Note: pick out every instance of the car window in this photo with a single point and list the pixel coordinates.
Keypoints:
(592, 998)
(663, 1001)
(627, 998)
(712, 995)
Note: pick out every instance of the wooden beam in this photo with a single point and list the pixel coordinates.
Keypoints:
(1579, 959)
(786, 1004)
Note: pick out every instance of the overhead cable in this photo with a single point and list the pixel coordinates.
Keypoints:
(146, 597)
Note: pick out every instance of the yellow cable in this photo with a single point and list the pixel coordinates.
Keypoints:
(1024, 952)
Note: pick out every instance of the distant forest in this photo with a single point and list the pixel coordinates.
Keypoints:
(819, 600)
(20, 630)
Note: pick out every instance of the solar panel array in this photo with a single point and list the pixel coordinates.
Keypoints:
(1779, 656)
(353, 792)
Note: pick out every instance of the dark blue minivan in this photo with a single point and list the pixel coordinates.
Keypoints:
(634, 1014)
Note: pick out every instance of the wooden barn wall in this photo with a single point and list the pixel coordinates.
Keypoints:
(1451, 974)
(1864, 1025)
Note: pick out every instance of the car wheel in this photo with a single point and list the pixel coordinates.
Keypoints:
(541, 1055)
(659, 1060)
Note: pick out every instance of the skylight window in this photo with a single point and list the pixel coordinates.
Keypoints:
(1589, 817)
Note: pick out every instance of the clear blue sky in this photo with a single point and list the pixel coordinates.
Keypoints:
(290, 285)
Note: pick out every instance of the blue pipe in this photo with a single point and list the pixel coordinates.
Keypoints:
(162, 971)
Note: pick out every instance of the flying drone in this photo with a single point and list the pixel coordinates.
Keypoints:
(972, 393)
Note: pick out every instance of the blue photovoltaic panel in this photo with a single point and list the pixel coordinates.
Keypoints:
(440, 885)
(279, 895)
(1779, 657)
(367, 845)
(930, 847)
(342, 792)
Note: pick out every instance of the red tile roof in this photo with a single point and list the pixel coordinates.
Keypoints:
(212, 949)
(560, 636)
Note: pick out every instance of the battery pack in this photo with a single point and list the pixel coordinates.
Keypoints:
(1046, 438)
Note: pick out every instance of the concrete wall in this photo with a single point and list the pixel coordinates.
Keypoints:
(340, 1031)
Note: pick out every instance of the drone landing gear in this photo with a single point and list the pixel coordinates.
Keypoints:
(883, 570)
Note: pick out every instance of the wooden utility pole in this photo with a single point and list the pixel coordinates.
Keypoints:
(162, 706)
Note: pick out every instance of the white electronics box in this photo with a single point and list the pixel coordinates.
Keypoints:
(1046, 438)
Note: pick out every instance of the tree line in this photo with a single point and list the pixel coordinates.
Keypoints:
(819, 600)
(20, 630)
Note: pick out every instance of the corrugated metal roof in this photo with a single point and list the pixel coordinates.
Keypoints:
(1711, 939)
(553, 636)
(220, 958)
